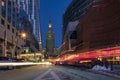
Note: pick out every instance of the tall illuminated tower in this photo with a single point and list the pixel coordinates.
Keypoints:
(50, 41)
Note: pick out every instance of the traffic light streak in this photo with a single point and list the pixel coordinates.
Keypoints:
(101, 53)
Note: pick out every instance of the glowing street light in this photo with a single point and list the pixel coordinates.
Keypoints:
(3, 3)
(23, 35)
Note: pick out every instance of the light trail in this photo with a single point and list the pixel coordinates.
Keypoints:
(22, 63)
(101, 53)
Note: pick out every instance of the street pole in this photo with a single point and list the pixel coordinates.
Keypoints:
(5, 44)
(24, 36)
(14, 47)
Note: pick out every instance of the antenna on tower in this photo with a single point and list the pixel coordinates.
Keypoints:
(50, 23)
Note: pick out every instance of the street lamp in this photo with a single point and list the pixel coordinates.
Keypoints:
(23, 35)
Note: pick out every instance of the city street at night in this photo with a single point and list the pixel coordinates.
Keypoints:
(51, 72)
(59, 39)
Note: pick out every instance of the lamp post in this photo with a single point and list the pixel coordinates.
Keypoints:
(22, 35)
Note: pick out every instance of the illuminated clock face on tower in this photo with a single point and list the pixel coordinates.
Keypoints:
(49, 36)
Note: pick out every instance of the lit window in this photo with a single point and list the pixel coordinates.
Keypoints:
(3, 3)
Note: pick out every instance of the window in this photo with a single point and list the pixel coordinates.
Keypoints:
(12, 30)
(73, 35)
(16, 33)
(9, 19)
(8, 26)
(2, 22)
(3, 8)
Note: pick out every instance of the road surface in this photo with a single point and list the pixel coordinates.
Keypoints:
(51, 72)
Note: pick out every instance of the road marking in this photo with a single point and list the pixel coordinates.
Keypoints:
(55, 76)
(41, 76)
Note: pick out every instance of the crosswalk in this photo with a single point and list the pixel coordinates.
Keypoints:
(48, 75)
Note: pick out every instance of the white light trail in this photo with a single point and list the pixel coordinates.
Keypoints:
(22, 63)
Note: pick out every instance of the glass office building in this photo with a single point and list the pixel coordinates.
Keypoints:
(9, 27)
(75, 11)
(32, 8)
(9, 10)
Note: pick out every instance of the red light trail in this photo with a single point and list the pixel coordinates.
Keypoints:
(101, 53)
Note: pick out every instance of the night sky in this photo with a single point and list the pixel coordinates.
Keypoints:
(52, 9)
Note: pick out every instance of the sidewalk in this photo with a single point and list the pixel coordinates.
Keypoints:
(113, 73)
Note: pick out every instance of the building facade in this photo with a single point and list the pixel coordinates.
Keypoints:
(13, 21)
(9, 29)
(75, 11)
(51, 50)
(50, 42)
(32, 8)
(98, 28)
(37, 23)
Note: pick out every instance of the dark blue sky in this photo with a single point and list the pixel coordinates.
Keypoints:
(55, 9)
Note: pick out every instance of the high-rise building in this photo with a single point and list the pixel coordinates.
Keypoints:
(37, 23)
(98, 28)
(32, 8)
(75, 11)
(9, 28)
(50, 41)
(12, 21)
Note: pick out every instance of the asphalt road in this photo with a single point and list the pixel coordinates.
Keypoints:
(51, 72)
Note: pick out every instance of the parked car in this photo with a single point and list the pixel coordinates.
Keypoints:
(17, 60)
(6, 60)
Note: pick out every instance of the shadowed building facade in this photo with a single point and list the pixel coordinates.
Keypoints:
(75, 11)
(98, 28)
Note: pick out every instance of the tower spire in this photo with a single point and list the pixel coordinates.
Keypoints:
(50, 26)
(50, 23)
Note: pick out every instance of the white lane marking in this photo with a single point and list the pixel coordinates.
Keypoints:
(41, 76)
(55, 76)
